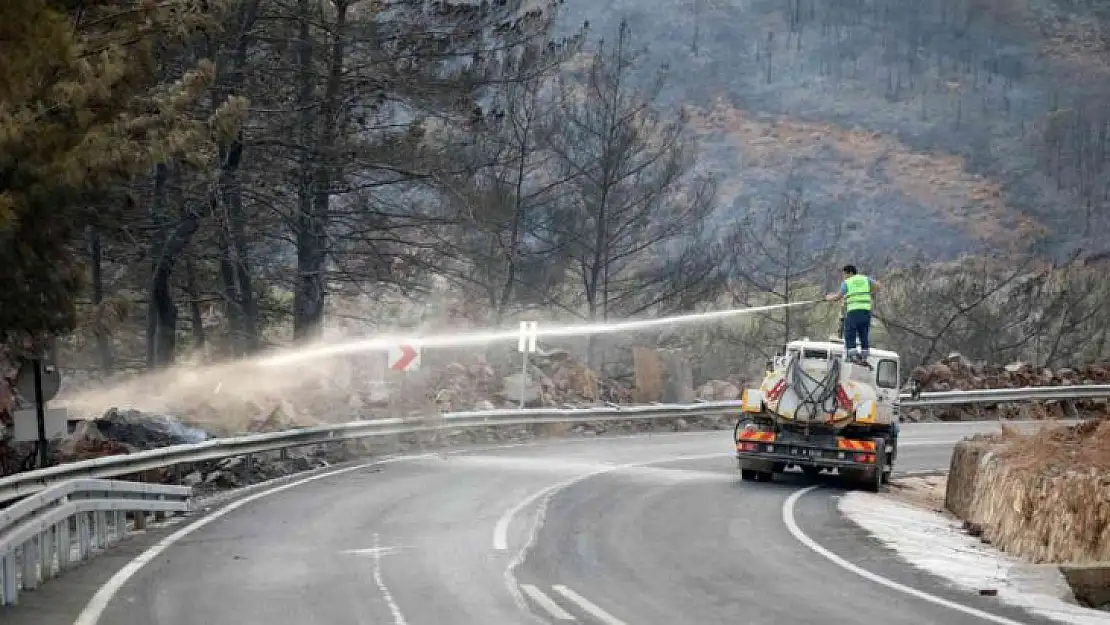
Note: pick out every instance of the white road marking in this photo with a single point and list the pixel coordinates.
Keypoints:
(928, 443)
(587, 605)
(373, 551)
(792, 526)
(379, 580)
(546, 603)
(92, 612)
(501, 529)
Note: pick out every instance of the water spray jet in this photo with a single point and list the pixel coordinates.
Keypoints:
(218, 388)
(382, 343)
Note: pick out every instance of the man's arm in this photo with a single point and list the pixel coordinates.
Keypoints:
(836, 297)
(875, 286)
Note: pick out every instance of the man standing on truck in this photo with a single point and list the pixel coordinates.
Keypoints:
(856, 292)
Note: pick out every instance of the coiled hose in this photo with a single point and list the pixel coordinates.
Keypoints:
(819, 395)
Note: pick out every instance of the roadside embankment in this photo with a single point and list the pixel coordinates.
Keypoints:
(1043, 497)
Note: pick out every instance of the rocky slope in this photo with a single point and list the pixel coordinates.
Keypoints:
(930, 126)
(958, 373)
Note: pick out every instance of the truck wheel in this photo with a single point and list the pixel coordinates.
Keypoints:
(875, 477)
(811, 471)
(747, 475)
(764, 476)
(872, 480)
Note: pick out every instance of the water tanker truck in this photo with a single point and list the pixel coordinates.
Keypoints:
(818, 410)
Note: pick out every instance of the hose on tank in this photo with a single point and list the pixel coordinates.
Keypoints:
(819, 395)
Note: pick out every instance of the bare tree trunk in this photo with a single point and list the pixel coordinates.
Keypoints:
(230, 293)
(309, 293)
(312, 232)
(162, 308)
(232, 190)
(96, 260)
(515, 230)
(170, 244)
(157, 253)
(249, 305)
(197, 319)
(240, 305)
(234, 264)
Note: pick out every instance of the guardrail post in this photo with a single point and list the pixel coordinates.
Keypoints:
(101, 525)
(10, 589)
(64, 545)
(31, 563)
(248, 460)
(46, 554)
(83, 549)
(120, 524)
(140, 520)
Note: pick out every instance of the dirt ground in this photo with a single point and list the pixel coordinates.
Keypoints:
(926, 492)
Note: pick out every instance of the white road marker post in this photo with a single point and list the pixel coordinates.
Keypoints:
(525, 345)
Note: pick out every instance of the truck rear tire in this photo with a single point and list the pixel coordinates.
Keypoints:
(747, 475)
(872, 480)
(875, 477)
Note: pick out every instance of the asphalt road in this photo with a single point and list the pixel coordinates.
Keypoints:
(642, 530)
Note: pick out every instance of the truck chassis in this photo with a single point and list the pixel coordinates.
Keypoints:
(765, 446)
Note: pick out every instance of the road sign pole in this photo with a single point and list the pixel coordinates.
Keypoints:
(526, 344)
(523, 377)
(40, 412)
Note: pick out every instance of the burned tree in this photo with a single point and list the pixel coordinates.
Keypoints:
(634, 215)
(782, 252)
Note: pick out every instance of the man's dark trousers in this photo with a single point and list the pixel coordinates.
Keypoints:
(857, 324)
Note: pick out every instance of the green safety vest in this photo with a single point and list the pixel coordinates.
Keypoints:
(859, 293)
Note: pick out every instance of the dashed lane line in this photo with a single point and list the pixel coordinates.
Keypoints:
(587, 605)
(545, 602)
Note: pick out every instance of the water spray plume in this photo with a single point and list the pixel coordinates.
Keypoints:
(227, 395)
(382, 343)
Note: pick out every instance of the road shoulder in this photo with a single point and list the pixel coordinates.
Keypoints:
(818, 515)
(932, 541)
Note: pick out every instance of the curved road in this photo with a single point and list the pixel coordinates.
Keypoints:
(647, 530)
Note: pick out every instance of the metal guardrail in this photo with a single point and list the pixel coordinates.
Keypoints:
(1004, 395)
(23, 484)
(46, 533)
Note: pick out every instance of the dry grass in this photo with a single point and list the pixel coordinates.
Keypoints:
(868, 163)
(1084, 447)
(1078, 40)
